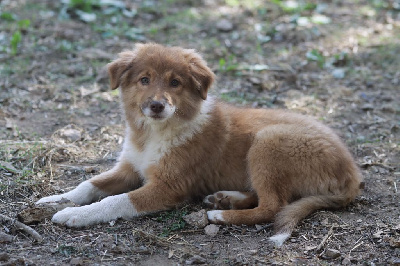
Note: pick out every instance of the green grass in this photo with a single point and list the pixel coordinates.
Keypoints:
(172, 220)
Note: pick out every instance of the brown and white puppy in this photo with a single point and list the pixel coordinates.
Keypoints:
(258, 165)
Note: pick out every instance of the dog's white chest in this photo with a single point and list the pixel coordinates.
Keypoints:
(153, 151)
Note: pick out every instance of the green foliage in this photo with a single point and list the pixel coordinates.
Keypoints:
(16, 37)
(173, 221)
(24, 24)
(7, 16)
(84, 5)
(317, 56)
(15, 40)
(228, 65)
(340, 59)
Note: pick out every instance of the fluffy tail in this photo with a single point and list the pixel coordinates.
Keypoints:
(290, 215)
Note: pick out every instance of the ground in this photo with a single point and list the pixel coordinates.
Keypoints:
(338, 61)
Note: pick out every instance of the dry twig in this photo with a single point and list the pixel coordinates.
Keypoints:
(322, 244)
(29, 230)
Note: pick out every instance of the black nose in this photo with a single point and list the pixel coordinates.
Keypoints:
(157, 107)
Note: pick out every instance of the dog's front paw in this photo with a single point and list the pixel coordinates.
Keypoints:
(216, 216)
(54, 198)
(106, 210)
(74, 217)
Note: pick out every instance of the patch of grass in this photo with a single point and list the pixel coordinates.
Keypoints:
(229, 64)
(84, 5)
(67, 250)
(22, 160)
(316, 56)
(172, 220)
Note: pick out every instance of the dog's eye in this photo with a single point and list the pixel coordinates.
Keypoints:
(174, 83)
(145, 80)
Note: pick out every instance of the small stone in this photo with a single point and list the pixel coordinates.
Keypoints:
(255, 80)
(91, 169)
(5, 238)
(367, 107)
(389, 108)
(339, 73)
(71, 134)
(76, 261)
(377, 234)
(346, 261)
(211, 230)
(196, 259)
(4, 256)
(224, 25)
(197, 219)
(395, 129)
(394, 243)
(330, 254)
(253, 251)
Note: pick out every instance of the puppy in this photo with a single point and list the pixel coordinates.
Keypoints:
(255, 165)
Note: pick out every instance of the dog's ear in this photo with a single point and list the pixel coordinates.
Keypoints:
(202, 75)
(119, 66)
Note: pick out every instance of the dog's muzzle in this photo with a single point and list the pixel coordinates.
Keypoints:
(158, 109)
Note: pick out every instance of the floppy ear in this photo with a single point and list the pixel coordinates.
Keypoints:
(119, 66)
(202, 75)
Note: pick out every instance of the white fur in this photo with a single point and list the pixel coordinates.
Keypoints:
(215, 216)
(163, 137)
(106, 210)
(279, 239)
(234, 194)
(85, 193)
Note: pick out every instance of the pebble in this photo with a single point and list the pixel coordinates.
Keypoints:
(76, 261)
(367, 107)
(5, 238)
(197, 219)
(339, 73)
(71, 134)
(4, 256)
(196, 259)
(224, 25)
(330, 254)
(211, 230)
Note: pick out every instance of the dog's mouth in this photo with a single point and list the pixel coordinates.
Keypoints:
(157, 117)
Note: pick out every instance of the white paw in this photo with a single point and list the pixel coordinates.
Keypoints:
(74, 217)
(279, 239)
(50, 199)
(83, 194)
(215, 216)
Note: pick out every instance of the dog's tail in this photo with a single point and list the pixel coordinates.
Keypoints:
(288, 217)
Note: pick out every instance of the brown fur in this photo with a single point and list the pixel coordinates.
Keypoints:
(290, 164)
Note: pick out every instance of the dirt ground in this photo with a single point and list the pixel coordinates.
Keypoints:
(338, 61)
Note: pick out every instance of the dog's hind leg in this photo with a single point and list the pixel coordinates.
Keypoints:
(235, 200)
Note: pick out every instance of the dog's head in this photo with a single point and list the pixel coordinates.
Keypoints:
(160, 82)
